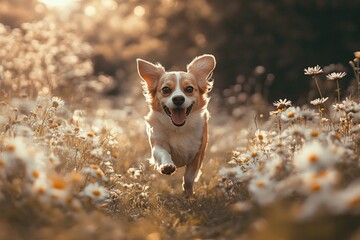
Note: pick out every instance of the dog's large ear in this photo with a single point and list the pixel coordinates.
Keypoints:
(202, 67)
(151, 74)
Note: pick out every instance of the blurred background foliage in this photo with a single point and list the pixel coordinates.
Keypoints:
(261, 46)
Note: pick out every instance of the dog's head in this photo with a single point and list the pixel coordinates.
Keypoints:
(177, 94)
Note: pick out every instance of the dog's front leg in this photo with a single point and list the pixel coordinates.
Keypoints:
(163, 160)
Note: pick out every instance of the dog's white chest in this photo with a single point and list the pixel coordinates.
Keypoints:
(185, 145)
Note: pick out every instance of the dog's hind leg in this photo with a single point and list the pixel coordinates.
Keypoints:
(193, 168)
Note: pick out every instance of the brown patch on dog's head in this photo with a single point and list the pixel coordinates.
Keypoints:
(201, 68)
(151, 75)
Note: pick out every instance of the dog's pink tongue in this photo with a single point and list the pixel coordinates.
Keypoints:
(178, 116)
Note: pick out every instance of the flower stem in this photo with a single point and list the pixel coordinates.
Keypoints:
(338, 90)
(357, 76)
(317, 85)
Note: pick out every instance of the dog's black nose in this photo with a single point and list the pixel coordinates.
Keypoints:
(178, 100)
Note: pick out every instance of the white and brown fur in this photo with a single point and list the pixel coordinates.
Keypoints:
(177, 124)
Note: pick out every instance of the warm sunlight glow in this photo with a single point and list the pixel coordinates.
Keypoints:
(57, 3)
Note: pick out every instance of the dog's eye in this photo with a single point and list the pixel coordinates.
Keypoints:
(189, 89)
(166, 90)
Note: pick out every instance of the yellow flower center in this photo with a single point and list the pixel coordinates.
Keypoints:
(315, 187)
(36, 174)
(321, 174)
(260, 184)
(291, 115)
(40, 190)
(314, 134)
(10, 148)
(96, 192)
(100, 173)
(75, 177)
(354, 202)
(313, 158)
(58, 183)
(90, 134)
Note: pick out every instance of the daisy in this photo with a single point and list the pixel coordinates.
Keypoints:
(311, 134)
(350, 105)
(36, 169)
(95, 193)
(235, 172)
(282, 104)
(336, 75)
(313, 70)
(290, 114)
(40, 189)
(261, 188)
(347, 200)
(309, 114)
(53, 190)
(96, 172)
(294, 132)
(313, 156)
(89, 136)
(319, 101)
(15, 151)
(261, 136)
(319, 181)
(56, 102)
(273, 165)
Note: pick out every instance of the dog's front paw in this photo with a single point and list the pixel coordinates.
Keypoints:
(167, 169)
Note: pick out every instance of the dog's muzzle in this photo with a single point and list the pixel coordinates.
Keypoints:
(178, 115)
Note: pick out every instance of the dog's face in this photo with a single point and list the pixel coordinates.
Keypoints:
(177, 94)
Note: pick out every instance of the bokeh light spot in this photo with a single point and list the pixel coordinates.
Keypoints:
(57, 3)
(139, 11)
(90, 11)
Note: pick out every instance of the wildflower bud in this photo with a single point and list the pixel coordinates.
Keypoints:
(352, 64)
(356, 60)
(357, 54)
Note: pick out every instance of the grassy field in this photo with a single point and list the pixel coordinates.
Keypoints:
(73, 162)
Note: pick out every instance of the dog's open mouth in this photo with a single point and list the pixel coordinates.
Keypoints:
(178, 115)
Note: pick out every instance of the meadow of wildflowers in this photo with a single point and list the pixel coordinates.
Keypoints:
(73, 160)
